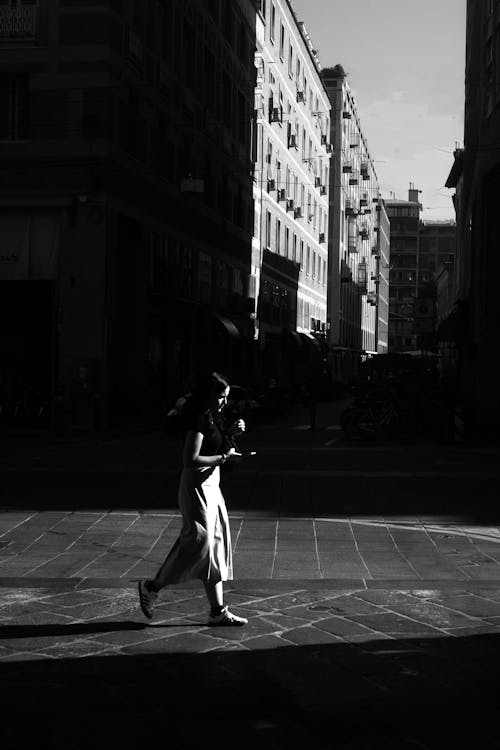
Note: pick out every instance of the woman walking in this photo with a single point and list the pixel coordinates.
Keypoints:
(203, 549)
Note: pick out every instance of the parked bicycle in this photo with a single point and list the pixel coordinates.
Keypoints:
(388, 418)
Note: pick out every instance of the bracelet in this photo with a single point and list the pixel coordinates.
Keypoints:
(223, 459)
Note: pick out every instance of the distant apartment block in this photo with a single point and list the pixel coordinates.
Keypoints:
(291, 187)
(358, 246)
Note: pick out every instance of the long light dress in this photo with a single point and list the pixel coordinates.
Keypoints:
(203, 548)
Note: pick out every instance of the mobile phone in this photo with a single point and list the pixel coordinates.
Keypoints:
(246, 454)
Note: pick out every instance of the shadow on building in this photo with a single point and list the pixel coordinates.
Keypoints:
(126, 206)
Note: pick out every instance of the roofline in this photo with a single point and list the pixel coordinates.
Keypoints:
(314, 62)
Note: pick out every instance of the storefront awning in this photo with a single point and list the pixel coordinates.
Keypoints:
(309, 340)
(228, 326)
(295, 338)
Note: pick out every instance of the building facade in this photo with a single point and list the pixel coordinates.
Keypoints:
(475, 176)
(358, 235)
(126, 202)
(290, 243)
(418, 248)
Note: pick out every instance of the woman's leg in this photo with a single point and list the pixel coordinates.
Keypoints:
(215, 596)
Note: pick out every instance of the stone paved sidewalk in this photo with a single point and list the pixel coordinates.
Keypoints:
(319, 665)
(99, 544)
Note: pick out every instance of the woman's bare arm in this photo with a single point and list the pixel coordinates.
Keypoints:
(191, 456)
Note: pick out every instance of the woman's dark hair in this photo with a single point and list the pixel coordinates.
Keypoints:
(204, 387)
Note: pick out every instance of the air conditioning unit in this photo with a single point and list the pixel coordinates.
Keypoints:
(317, 181)
(282, 194)
(292, 141)
(300, 96)
(346, 115)
(353, 181)
(289, 204)
(347, 168)
(322, 190)
(321, 238)
(323, 139)
(329, 148)
(297, 212)
(271, 185)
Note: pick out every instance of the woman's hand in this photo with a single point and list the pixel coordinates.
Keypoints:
(236, 428)
(233, 456)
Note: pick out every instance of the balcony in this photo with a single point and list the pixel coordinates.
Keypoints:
(350, 208)
(276, 114)
(18, 23)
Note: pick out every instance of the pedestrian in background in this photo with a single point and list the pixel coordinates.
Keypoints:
(203, 549)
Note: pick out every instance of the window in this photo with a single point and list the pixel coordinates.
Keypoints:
(272, 26)
(294, 249)
(205, 276)
(263, 8)
(278, 236)
(282, 41)
(297, 70)
(268, 230)
(301, 259)
(287, 242)
(290, 61)
(13, 108)
(313, 270)
(308, 261)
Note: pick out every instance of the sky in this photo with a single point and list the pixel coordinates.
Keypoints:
(405, 64)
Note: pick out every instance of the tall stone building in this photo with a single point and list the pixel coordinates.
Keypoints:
(358, 246)
(476, 178)
(290, 243)
(126, 202)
